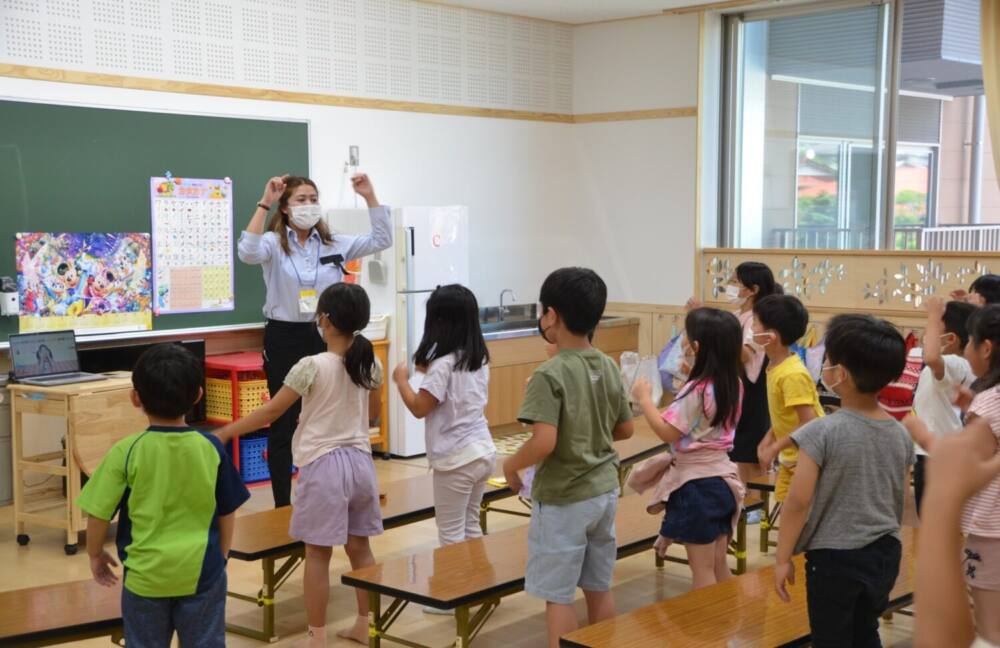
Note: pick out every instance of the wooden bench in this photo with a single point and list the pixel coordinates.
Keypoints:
(473, 573)
(55, 614)
(264, 536)
(743, 611)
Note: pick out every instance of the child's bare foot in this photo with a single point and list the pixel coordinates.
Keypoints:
(357, 632)
(315, 638)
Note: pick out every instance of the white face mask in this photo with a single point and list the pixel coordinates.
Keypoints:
(822, 378)
(733, 295)
(305, 216)
(759, 346)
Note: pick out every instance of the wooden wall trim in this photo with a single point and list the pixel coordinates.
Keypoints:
(633, 115)
(238, 92)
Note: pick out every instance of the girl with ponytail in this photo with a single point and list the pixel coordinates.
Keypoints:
(336, 497)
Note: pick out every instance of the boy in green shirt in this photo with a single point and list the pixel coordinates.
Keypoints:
(176, 493)
(577, 406)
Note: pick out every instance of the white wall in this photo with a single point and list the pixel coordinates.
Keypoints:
(514, 176)
(637, 178)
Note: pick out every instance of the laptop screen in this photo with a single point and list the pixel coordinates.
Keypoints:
(42, 354)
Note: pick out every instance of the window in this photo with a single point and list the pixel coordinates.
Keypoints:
(819, 150)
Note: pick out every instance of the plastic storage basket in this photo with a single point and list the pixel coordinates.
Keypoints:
(253, 458)
(252, 392)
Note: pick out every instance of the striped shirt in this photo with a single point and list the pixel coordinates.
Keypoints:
(981, 516)
(896, 398)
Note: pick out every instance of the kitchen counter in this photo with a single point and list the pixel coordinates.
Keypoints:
(518, 351)
(531, 329)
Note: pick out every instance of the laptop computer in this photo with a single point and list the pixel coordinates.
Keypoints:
(47, 359)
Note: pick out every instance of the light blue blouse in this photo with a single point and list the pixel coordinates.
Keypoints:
(286, 274)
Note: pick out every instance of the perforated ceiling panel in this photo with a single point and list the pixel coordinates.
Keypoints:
(379, 49)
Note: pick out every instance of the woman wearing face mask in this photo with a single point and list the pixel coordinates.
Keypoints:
(751, 281)
(290, 253)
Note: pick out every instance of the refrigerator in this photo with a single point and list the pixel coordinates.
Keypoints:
(430, 248)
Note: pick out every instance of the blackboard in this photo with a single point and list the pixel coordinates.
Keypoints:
(77, 169)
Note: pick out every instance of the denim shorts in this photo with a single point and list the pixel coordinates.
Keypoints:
(570, 546)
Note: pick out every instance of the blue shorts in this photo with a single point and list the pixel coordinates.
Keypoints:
(699, 512)
(570, 546)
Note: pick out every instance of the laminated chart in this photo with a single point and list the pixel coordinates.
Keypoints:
(192, 244)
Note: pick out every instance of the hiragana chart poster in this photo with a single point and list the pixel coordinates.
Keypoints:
(84, 281)
(192, 244)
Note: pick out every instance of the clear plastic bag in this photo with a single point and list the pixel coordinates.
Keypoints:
(635, 367)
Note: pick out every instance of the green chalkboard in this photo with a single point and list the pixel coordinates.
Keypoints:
(74, 169)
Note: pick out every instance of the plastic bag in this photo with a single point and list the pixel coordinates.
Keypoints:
(671, 361)
(633, 368)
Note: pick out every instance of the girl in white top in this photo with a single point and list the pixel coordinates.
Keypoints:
(452, 397)
(336, 497)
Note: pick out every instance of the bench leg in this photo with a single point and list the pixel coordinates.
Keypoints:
(463, 630)
(740, 548)
(765, 523)
(374, 620)
(484, 508)
(272, 581)
(658, 560)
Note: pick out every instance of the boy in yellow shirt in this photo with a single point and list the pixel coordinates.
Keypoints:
(792, 399)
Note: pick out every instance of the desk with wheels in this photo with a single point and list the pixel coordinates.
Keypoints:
(98, 414)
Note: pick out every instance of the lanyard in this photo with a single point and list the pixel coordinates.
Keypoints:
(291, 259)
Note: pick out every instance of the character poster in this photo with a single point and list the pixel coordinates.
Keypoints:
(84, 281)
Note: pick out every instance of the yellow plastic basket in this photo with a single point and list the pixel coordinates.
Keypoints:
(219, 397)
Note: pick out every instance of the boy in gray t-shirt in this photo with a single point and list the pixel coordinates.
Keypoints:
(846, 500)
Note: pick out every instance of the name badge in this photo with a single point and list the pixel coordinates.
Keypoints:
(308, 301)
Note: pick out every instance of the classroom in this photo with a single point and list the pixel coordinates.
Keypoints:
(500, 323)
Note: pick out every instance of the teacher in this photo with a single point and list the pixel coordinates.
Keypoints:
(300, 259)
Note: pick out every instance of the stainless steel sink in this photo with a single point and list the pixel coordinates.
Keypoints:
(509, 325)
(514, 312)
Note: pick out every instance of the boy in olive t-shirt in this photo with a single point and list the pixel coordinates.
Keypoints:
(577, 406)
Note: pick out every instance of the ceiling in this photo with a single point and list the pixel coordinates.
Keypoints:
(577, 11)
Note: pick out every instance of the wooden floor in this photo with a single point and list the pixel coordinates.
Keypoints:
(520, 620)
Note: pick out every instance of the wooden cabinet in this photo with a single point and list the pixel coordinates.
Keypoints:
(378, 404)
(513, 361)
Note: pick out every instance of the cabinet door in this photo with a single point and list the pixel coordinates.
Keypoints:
(506, 393)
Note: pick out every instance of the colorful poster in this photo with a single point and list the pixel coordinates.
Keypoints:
(84, 281)
(192, 244)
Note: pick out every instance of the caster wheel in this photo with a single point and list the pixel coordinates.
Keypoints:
(71, 549)
(23, 539)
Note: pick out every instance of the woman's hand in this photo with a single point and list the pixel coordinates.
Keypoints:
(693, 304)
(273, 190)
(363, 187)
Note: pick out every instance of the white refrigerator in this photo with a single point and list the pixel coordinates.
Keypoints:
(430, 249)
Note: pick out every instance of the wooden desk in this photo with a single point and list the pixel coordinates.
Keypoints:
(98, 414)
(264, 536)
(742, 611)
(55, 614)
(475, 572)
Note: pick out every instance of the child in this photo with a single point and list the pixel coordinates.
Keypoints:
(336, 498)
(846, 500)
(701, 489)
(452, 397)
(792, 399)
(945, 372)
(751, 282)
(981, 518)
(984, 290)
(176, 492)
(958, 471)
(577, 406)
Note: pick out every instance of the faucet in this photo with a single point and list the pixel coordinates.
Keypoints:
(503, 310)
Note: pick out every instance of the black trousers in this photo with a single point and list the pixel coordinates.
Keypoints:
(847, 590)
(285, 343)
